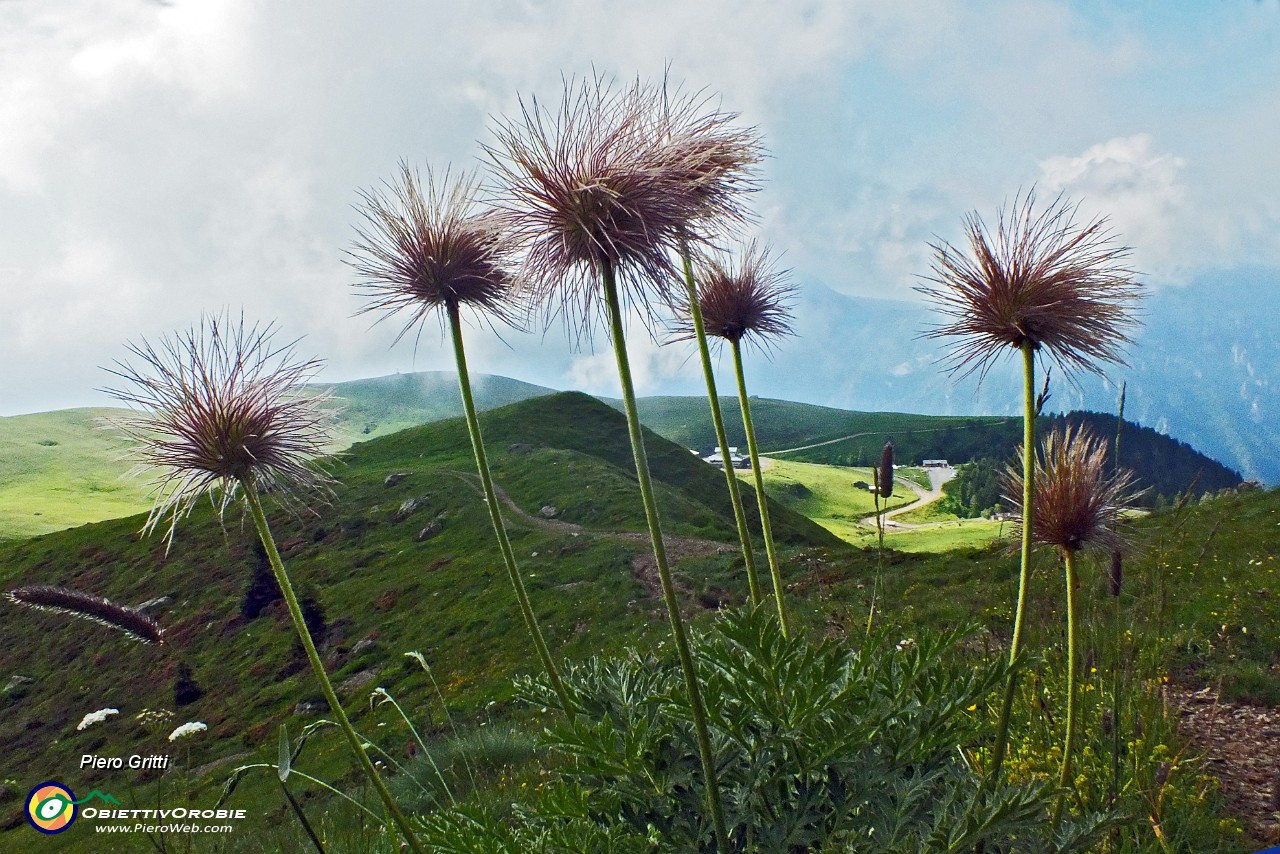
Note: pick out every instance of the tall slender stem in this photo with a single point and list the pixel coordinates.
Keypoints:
(761, 499)
(660, 557)
(1073, 675)
(1116, 710)
(1024, 572)
(300, 625)
(717, 419)
(495, 511)
(875, 586)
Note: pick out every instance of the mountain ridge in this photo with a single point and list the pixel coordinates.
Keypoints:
(85, 482)
(1204, 367)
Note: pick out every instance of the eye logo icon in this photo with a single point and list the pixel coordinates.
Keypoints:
(51, 807)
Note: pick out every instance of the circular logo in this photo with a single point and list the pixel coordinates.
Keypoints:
(51, 807)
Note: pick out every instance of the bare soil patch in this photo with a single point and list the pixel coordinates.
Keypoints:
(1240, 746)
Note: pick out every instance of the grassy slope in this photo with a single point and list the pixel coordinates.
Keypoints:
(783, 424)
(81, 477)
(46, 488)
(827, 495)
(945, 536)
(447, 596)
(1168, 466)
(380, 406)
(59, 469)
(1210, 566)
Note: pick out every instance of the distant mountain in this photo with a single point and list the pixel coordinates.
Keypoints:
(1205, 367)
(843, 436)
(380, 406)
(1203, 373)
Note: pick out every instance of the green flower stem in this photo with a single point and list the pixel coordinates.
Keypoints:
(875, 586)
(413, 730)
(1119, 637)
(660, 557)
(294, 772)
(1116, 710)
(717, 418)
(761, 499)
(495, 511)
(300, 624)
(1024, 572)
(302, 817)
(1073, 675)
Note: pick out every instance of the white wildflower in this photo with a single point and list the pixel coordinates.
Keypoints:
(96, 718)
(906, 643)
(187, 729)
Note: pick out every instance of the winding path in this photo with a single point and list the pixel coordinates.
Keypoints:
(643, 565)
(937, 477)
(856, 436)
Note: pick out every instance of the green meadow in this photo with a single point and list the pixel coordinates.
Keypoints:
(829, 496)
(1196, 607)
(62, 469)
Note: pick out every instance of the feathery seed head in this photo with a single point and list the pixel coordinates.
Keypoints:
(1039, 279)
(615, 179)
(1078, 498)
(714, 159)
(220, 406)
(750, 299)
(428, 248)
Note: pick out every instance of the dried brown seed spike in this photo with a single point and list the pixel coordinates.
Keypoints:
(60, 600)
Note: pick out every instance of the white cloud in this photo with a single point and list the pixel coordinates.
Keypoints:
(157, 160)
(655, 365)
(1141, 191)
(160, 159)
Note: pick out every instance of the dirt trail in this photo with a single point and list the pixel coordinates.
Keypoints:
(1240, 746)
(643, 565)
(937, 477)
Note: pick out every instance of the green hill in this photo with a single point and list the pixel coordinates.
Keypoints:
(59, 469)
(403, 559)
(381, 585)
(819, 434)
(62, 469)
(380, 406)
(782, 424)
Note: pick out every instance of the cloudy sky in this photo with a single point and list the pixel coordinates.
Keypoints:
(160, 159)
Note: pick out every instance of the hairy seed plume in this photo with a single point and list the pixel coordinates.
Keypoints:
(748, 300)
(1078, 497)
(220, 405)
(425, 248)
(617, 178)
(1037, 279)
